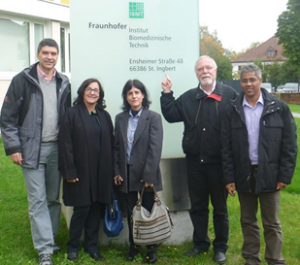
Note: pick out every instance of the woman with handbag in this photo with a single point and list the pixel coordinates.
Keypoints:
(137, 154)
(86, 163)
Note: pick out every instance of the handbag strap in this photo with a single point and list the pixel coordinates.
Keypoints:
(140, 199)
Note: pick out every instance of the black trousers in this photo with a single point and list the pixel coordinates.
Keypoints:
(204, 182)
(130, 200)
(85, 219)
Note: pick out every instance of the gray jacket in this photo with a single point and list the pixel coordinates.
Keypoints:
(22, 114)
(145, 153)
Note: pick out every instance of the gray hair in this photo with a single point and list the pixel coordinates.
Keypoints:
(250, 68)
(206, 57)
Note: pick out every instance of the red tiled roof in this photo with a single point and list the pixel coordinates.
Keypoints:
(261, 52)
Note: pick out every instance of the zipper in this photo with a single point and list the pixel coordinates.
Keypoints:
(147, 223)
(198, 111)
(33, 81)
(217, 109)
(239, 113)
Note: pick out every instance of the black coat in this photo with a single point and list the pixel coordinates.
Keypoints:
(277, 146)
(202, 116)
(78, 157)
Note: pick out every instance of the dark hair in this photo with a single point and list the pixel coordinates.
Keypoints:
(140, 86)
(47, 42)
(83, 86)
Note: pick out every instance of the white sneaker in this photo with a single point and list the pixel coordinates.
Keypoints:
(45, 259)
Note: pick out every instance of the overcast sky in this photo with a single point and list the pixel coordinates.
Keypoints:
(239, 23)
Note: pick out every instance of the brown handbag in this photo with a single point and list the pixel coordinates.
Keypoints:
(153, 227)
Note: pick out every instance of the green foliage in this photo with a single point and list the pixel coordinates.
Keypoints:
(210, 45)
(289, 32)
(16, 245)
(273, 74)
(295, 185)
(288, 72)
(278, 73)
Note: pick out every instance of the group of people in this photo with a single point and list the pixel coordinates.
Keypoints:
(242, 143)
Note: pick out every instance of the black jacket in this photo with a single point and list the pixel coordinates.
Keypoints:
(202, 116)
(80, 158)
(277, 147)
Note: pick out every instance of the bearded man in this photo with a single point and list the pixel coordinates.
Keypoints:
(201, 109)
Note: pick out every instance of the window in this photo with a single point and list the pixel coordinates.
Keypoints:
(19, 40)
(18, 43)
(65, 50)
(270, 53)
(38, 36)
(62, 49)
(14, 44)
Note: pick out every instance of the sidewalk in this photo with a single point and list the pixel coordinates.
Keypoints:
(296, 115)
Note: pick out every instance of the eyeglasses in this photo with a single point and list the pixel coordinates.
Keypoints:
(208, 69)
(90, 90)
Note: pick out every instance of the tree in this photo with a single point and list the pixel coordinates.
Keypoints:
(273, 73)
(289, 33)
(277, 73)
(210, 45)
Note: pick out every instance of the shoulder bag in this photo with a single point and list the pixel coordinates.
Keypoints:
(153, 227)
(113, 222)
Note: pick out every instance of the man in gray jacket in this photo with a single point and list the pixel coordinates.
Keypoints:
(35, 101)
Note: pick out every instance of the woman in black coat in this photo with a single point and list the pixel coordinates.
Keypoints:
(137, 153)
(85, 161)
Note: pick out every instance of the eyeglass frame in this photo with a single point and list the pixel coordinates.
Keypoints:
(90, 90)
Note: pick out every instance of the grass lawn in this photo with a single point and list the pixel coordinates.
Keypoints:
(294, 108)
(16, 244)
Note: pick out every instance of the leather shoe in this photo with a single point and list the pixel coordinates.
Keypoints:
(194, 252)
(72, 256)
(97, 256)
(132, 253)
(220, 257)
(152, 256)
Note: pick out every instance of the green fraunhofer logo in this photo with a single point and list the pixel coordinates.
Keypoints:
(136, 10)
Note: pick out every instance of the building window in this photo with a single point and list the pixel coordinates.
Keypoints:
(65, 50)
(14, 45)
(19, 41)
(62, 50)
(38, 35)
(270, 53)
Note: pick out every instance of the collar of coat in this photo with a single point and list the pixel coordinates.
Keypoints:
(271, 103)
(31, 73)
(142, 125)
(216, 94)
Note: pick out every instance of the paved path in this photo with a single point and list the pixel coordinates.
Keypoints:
(296, 115)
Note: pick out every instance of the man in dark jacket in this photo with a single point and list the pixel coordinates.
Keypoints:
(201, 109)
(259, 156)
(36, 99)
